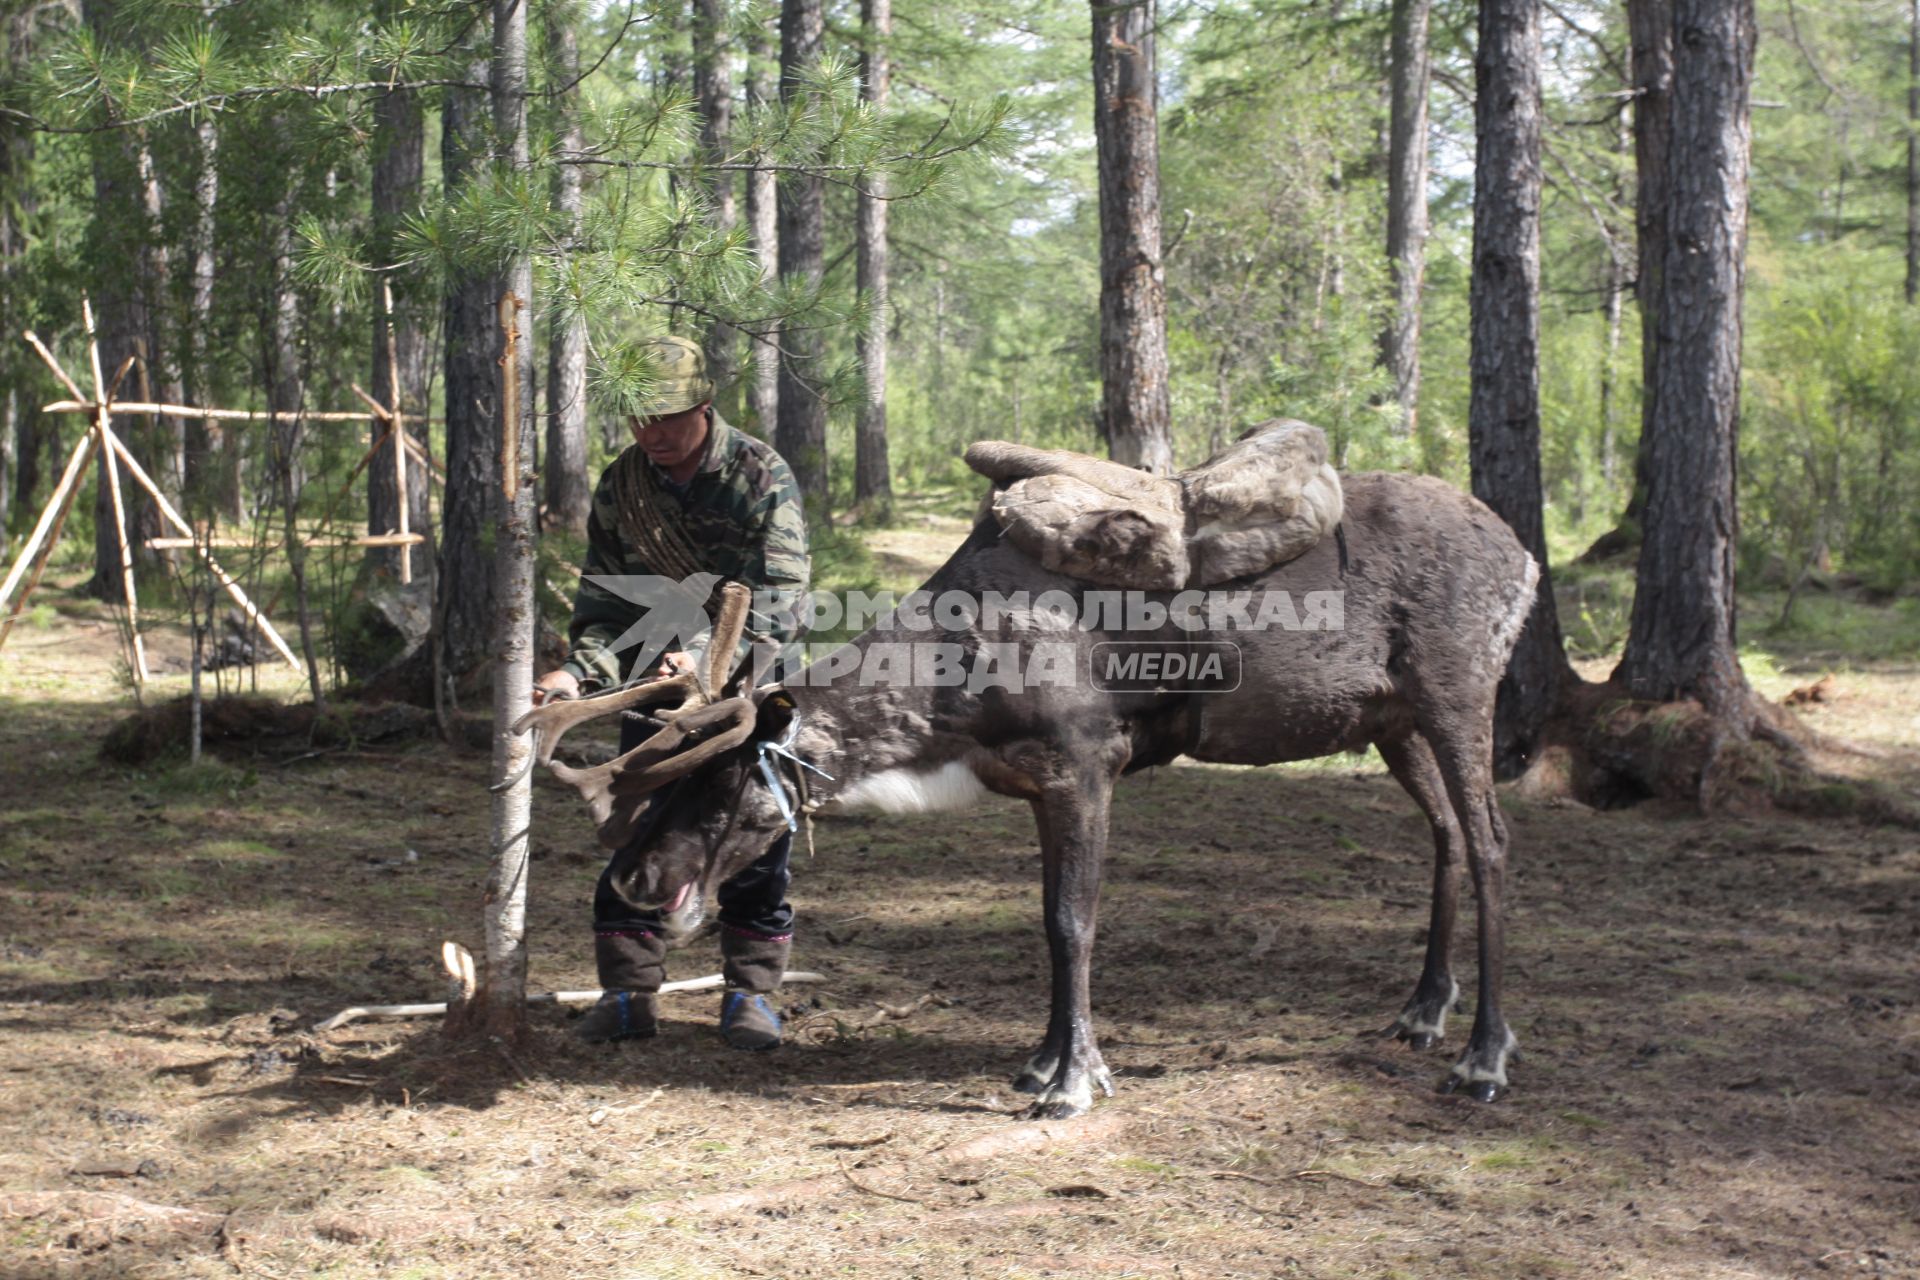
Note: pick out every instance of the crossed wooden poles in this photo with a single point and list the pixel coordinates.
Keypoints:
(33, 557)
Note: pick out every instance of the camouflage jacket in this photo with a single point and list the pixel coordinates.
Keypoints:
(743, 514)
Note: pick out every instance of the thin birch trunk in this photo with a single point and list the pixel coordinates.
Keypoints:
(501, 1000)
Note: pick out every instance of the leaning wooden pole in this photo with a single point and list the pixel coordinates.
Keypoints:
(398, 418)
(226, 579)
(102, 421)
(40, 543)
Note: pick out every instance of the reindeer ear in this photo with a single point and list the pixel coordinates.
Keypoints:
(775, 710)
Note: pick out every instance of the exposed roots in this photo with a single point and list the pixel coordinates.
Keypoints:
(1608, 750)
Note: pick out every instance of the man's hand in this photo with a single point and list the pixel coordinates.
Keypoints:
(673, 664)
(559, 683)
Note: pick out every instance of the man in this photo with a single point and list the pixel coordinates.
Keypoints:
(693, 496)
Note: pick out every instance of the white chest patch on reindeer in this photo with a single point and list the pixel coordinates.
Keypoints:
(952, 786)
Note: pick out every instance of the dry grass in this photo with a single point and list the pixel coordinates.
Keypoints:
(1719, 1019)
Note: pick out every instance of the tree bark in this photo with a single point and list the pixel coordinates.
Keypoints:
(1407, 205)
(763, 389)
(872, 475)
(801, 437)
(287, 393)
(502, 998)
(16, 440)
(569, 489)
(1504, 412)
(1650, 24)
(118, 231)
(212, 476)
(713, 95)
(1619, 275)
(1681, 641)
(1913, 151)
(463, 587)
(400, 340)
(1136, 406)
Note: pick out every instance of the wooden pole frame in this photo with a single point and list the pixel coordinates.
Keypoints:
(397, 420)
(35, 554)
(102, 423)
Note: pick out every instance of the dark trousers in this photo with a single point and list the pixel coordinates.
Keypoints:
(753, 903)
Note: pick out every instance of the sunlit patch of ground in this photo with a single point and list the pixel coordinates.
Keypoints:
(1720, 1028)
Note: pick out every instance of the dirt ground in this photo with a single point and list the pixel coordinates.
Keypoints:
(1720, 1025)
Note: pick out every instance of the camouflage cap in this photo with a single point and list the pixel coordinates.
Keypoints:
(682, 382)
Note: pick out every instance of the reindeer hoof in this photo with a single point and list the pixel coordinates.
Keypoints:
(1058, 1109)
(1029, 1082)
(1420, 1041)
(1478, 1090)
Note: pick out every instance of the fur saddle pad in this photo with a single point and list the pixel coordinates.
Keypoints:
(1261, 501)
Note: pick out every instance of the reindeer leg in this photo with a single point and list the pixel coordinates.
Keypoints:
(1423, 1023)
(1073, 843)
(1467, 767)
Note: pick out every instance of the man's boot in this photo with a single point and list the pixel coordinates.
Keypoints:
(633, 964)
(753, 965)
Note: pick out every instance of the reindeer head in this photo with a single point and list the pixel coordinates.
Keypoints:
(719, 814)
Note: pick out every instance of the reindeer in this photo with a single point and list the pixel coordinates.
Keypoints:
(1435, 590)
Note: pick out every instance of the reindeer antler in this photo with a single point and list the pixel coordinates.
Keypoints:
(699, 726)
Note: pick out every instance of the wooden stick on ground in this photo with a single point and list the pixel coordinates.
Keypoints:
(712, 982)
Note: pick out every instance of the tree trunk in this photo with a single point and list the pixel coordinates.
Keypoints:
(9, 460)
(1407, 205)
(211, 481)
(713, 95)
(801, 437)
(463, 590)
(1650, 23)
(763, 391)
(500, 1005)
(118, 231)
(399, 341)
(569, 489)
(1913, 151)
(15, 440)
(1681, 641)
(872, 476)
(287, 393)
(1136, 408)
(1618, 276)
(1504, 414)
